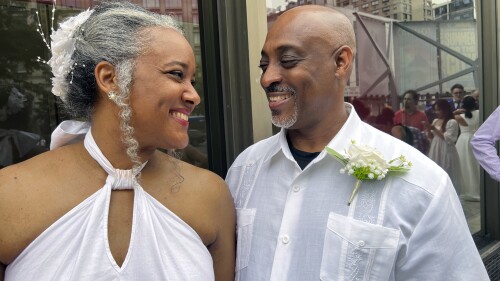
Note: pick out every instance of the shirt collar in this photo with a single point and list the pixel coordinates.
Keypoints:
(349, 131)
(338, 143)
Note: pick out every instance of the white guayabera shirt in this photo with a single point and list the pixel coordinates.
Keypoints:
(295, 224)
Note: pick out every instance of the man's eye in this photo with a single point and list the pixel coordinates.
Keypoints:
(263, 66)
(289, 63)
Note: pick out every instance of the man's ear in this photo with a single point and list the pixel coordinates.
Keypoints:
(105, 76)
(343, 60)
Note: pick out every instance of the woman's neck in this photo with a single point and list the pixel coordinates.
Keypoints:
(108, 138)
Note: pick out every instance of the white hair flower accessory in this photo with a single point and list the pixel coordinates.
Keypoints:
(63, 46)
(367, 163)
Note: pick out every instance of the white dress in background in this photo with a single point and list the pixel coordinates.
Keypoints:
(444, 152)
(468, 163)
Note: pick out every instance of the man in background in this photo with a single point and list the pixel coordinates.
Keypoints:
(409, 115)
(457, 92)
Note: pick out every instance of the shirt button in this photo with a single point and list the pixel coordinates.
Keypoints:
(296, 188)
(361, 243)
(285, 239)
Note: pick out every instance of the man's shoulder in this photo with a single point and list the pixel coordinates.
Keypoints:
(258, 151)
(424, 173)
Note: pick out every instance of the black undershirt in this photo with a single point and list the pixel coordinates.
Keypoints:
(303, 158)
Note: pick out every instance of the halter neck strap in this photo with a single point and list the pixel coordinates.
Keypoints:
(120, 179)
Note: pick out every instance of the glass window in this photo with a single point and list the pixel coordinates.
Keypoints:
(28, 110)
(174, 4)
(151, 4)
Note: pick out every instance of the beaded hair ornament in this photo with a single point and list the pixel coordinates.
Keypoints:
(62, 48)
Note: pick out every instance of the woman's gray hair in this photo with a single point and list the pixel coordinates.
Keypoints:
(112, 33)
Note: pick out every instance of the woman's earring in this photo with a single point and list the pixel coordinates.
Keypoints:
(112, 95)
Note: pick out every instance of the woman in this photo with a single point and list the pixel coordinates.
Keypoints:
(443, 134)
(469, 122)
(156, 218)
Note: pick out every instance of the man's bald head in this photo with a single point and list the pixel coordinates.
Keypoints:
(313, 20)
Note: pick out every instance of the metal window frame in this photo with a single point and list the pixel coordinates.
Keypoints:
(225, 65)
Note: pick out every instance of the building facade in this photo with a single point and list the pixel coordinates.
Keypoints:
(455, 10)
(404, 10)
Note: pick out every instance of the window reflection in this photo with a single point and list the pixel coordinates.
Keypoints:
(28, 110)
(24, 103)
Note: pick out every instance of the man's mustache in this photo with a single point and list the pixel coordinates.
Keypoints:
(276, 87)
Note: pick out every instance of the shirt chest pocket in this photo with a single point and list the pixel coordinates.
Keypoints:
(357, 250)
(245, 219)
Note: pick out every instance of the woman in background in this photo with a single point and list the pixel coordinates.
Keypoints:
(469, 122)
(443, 133)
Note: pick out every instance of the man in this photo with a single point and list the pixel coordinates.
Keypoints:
(457, 91)
(483, 145)
(294, 222)
(410, 115)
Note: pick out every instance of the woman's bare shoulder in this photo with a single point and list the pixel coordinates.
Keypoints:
(201, 198)
(41, 168)
(186, 183)
(201, 176)
(30, 182)
(22, 189)
(191, 175)
(25, 173)
(38, 191)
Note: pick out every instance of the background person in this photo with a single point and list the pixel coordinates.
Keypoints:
(112, 207)
(475, 95)
(409, 115)
(457, 92)
(383, 121)
(483, 145)
(411, 136)
(469, 167)
(443, 134)
(294, 222)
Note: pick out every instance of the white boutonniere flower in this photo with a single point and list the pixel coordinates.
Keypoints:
(367, 163)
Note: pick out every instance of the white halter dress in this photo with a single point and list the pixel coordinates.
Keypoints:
(75, 247)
